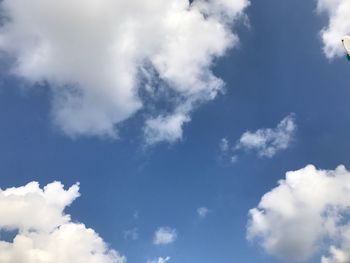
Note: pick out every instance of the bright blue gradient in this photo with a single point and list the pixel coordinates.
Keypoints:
(279, 68)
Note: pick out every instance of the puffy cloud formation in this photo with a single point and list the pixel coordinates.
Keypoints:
(267, 142)
(105, 59)
(159, 260)
(164, 236)
(203, 212)
(339, 25)
(306, 212)
(45, 232)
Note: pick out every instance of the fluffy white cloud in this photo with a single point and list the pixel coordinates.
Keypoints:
(203, 212)
(159, 260)
(339, 25)
(267, 142)
(164, 236)
(45, 232)
(305, 213)
(98, 56)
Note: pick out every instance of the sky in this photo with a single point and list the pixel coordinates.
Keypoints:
(153, 132)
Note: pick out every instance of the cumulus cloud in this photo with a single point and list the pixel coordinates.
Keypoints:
(45, 232)
(159, 260)
(339, 25)
(306, 213)
(100, 58)
(203, 212)
(266, 142)
(164, 236)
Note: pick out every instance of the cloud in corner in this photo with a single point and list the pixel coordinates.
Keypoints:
(45, 232)
(102, 55)
(307, 213)
(339, 25)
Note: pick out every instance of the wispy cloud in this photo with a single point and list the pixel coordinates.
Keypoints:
(265, 142)
(159, 260)
(305, 213)
(164, 236)
(202, 212)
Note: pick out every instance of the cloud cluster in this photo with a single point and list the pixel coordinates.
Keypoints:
(45, 232)
(100, 58)
(305, 213)
(164, 236)
(339, 25)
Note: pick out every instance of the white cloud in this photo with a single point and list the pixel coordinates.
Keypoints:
(45, 232)
(97, 56)
(267, 142)
(339, 25)
(164, 236)
(167, 128)
(305, 213)
(203, 212)
(159, 260)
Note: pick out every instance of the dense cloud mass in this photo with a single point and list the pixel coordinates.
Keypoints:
(45, 232)
(306, 212)
(98, 55)
(339, 25)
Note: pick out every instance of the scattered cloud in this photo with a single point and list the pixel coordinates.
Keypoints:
(339, 25)
(159, 260)
(306, 213)
(224, 145)
(203, 212)
(265, 142)
(131, 234)
(45, 232)
(104, 60)
(164, 236)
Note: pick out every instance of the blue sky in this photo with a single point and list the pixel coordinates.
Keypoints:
(278, 68)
